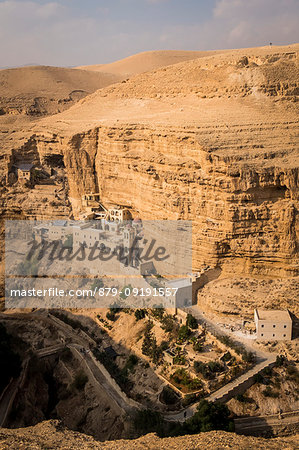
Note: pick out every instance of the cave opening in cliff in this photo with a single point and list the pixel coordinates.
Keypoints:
(54, 161)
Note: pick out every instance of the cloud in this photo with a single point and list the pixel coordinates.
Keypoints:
(25, 9)
(57, 33)
(39, 33)
(256, 22)
(49, 10)
(157, 1)
(239, 23)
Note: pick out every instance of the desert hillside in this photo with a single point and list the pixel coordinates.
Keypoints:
(39, 90)
(157, 97)
(52, 435)
(147, 61)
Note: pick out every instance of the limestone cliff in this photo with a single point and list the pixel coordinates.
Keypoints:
(244, 211)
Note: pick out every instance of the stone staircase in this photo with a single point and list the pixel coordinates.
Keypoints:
(242, 383)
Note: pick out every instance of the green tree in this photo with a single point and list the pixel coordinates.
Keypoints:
(149, 345)
(158, 312)
(184, 333)
(149, 340)
(209, 416)
(191, 322)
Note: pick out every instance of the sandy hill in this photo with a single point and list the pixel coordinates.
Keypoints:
(38, 90)
(148, 61)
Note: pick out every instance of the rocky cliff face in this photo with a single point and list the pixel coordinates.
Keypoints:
(244, 212)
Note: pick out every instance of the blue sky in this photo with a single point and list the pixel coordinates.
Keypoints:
(77, 32)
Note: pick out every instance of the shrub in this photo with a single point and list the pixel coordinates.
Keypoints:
(267, 371)
(194, 384)
(215, 366)
(168, 323)
(179, 360)
(148, 341)
(164, 345)
(197, 347)
(189, 399)
(229, 342)
(191, 322)
(68, 243)
(293, 373)
(131, 362)
(204, 369)
(29, 267)
(280, 360)
(168, 396)
(181, 377)
(184, 333)
(119, 375)
(268, 392)
(209, 416)
(158, 312)
(125, 291)
(226, 357)
(248, 357)
(292, 370)
(149, 345)
(140, 314)
(236, 370)
(111, 315)
(258, 378)
(114, 308)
